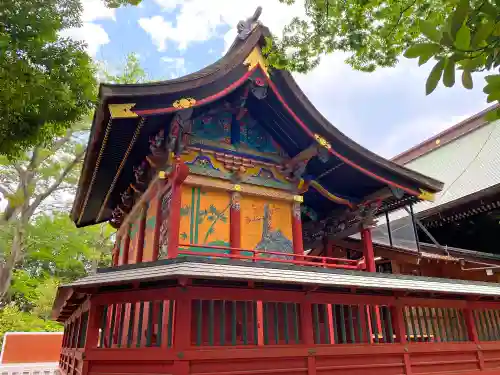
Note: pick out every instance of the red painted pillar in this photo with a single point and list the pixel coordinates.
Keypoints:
(178, 177)
(126, 245)
(115, 254)
(298, 245)
(157, 210)
(235, 221)
(140, 234)
(366, 238)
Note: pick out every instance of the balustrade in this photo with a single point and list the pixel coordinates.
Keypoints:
(116, 326)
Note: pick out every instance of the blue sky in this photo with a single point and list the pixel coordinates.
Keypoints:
(386, 111)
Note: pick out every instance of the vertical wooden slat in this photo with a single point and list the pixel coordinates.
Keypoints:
(131, 324)
(245, 322)
(373, 316)
(103, 327)
(342, 324)
(233, 323)
(149, 329)
(418, 321)
(160, 338)
(140, 322)
(286, 326)
(388, 319)
(223, 323)
(359, 324)
(255, 323)
(199, 322)
(351, 324)
(112, 325)
(433, 319)
(121, 324)
(211, 322)
(335, 325)
(276, 323)
(170, 328)
(317, 332)
(326, 326)
(265, 322)
(296, 323)
(412, 322)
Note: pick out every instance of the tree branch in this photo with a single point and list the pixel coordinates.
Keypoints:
(40, 198)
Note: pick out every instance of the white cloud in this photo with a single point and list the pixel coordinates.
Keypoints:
(168, 5)
(94, 35)
(386, 111)
(91, 33)
(177, 64)
(158, 29)
(96, 10)
(200, 20)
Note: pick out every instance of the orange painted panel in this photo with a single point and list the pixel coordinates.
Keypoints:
(266, 224)
(20, 347)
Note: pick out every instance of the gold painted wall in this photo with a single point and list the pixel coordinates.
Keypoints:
(266, 224)
(147, 254)
(204, 217)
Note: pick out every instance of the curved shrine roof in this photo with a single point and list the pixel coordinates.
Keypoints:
(120, 141)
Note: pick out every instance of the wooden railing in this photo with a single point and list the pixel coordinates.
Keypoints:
(253, 255)
(219, 324)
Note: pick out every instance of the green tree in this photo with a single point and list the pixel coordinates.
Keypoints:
(41, 180)
(460, 35)
(48, 82)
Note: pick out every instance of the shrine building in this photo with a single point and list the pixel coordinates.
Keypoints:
(230, 193)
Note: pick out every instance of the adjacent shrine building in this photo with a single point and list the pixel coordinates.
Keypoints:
(220, 185)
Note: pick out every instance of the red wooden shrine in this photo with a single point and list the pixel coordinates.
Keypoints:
(221, 185)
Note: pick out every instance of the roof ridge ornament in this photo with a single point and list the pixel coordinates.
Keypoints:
(246, 27)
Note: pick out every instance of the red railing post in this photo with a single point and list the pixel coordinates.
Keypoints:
(92, 334)
(398, 323)
(182, 331)
(470, 325)
(366, 238)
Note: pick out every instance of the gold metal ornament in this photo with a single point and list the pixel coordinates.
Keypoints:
(122, 110)
(255, 58)
(184, 103)
(322, 141)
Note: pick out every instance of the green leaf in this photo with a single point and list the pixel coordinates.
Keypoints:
(482, 32)
(462, 40)
(492, 116)
(434, 77)
(423, 59)
(446, 39)
(488, 9)
(467, 80)
(459, 16)
(430, 31)
(449, 73)
(494, 96)
(493, 79)
(422, 49)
